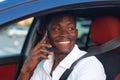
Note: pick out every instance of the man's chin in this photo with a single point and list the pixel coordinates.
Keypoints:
(64, 50)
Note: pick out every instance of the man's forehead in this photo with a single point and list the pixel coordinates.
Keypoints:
(57, 17)
(63, 17)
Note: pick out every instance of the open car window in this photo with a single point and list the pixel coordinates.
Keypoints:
(12, 37)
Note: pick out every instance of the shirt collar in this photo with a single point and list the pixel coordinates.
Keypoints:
(71, 57)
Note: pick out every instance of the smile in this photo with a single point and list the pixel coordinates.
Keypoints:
(64, 42)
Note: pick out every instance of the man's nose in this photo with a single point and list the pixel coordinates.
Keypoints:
(64, 32)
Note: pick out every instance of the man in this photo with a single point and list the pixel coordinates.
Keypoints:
(62, 34)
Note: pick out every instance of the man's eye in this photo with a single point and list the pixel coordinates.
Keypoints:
(57, 29)
(71, 28)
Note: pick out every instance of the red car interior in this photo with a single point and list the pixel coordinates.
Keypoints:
(104, 29)
(8, 72)
(118, 77)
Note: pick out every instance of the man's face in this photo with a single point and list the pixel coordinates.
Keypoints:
(63, 34)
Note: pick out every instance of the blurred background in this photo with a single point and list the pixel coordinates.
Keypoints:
(13, 36)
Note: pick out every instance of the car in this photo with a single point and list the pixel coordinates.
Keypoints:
(17, 31)
(90, 15)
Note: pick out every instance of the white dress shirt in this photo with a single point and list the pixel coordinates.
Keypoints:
(89, 68)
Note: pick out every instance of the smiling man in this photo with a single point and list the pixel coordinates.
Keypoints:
(62, 34)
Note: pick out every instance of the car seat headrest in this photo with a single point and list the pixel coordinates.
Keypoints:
(104, 29)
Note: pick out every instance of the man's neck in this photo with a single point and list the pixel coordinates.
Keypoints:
(57, 59)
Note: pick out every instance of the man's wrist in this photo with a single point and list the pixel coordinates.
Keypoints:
(24, 75)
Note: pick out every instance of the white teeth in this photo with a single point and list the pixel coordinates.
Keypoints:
(64, 42)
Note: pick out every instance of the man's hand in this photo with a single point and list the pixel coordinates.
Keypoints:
(35, 56)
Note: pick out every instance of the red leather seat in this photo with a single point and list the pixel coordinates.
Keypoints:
(104, 29)
(118, 77)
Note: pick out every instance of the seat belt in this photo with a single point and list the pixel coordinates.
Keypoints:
(110, 45)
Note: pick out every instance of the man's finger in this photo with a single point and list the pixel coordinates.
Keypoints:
(42, 45)
(43, 39)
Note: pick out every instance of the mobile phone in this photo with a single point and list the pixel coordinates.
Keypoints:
(46, 41)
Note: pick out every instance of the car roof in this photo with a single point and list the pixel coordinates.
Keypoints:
(12, 3)
(14, 9)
